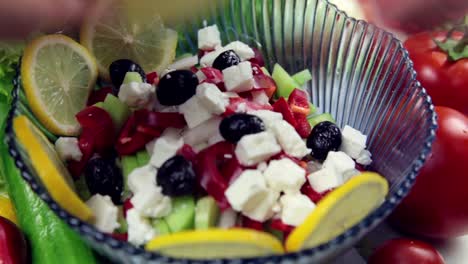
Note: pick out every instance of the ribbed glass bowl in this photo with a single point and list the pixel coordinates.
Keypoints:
(361, 75)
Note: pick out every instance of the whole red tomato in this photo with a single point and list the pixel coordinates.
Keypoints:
(445, 80)
(405, 251)
(437, 206)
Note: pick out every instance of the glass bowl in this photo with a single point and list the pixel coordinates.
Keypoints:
(361, 75)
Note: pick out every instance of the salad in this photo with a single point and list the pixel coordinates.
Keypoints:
(214, 142)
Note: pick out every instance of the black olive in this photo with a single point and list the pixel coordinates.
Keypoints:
(176, 177)
(325, 137)
(119, 68)
(176, 87)
(234, 127)
(226, 59)
(103, 177)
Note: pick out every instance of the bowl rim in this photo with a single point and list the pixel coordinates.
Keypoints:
(90, 232)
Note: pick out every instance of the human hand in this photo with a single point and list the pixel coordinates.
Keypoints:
(19, 18)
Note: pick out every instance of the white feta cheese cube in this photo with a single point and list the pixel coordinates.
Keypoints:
(295, 208)
(340, 162)
(263, 210)
(184, 64)
(239, 78)
(268, 117)
(202, 132)
(195, 113)
(227, 219)
(151, 202)
(255, 148)
(212, 98)
(166, 147)
(215, 139)
(208, 59)
(68, 149)
(201, 76)
(209, 38)
(141, 178)
(260, 97)
(284, 176)
(290, 140)
(246, 191)
(262, 166)
(325, 179)
(353, 142)
(140, 230)
(365, 158)
(136, 95)
(241, 49)
(105, 213)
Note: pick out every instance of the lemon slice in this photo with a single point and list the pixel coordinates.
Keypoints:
(50, 168)
(121, 32)
(58, 75)
(7, 210)
(339, 211)
(216, 243)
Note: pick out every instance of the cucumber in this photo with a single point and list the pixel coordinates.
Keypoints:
(132, 77)
(285, 83)
(118, 111)
(182, 216)
(161, 227)
(302, 77)
(314, 120)
(129, 163)
(206, 213)
(100, 105)
(51, 240)
(143, 158)
(82, 188)
(123, 223)
(313, 108)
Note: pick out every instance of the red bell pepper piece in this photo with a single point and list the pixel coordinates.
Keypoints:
(187, 152)
(279, 225)
(121, 237)
(281, 106)
(159, 120)
(258, 58)
(303, 126)
(13, 246)
(127, 205)
(249, 106)
(152, 78)
(252, 224)
(210, 177)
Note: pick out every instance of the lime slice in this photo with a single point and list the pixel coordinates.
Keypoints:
(50, 169)
(339, 211)
(58, 75)
(7, 210)
(122, 33)
(216, 243)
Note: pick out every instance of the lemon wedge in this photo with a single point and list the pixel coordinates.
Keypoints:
(50, 169)
(7, 210)
(340, 210)
(116, 31)
(216, 243)
(58, 75)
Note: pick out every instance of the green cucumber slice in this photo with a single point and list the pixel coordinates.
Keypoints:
(182, 216)
(82, 189)
(285, 83)
(143, 158)
(313, 108)
(132, 77)
(123, 223)
(161, 226)
(314, 120)
(206, 213)
(129, 163)
(118, 111)
(302, 77)
(100, 105)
